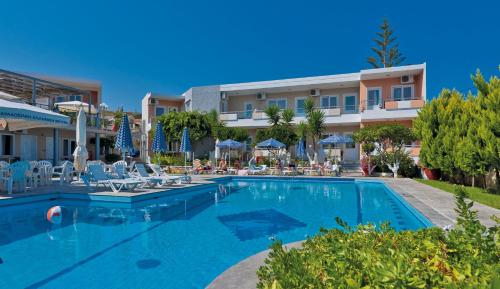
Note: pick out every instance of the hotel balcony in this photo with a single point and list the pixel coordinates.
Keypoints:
(258, 118)
(391, 109)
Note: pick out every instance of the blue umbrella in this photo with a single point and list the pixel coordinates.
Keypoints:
(124, 137)
(159, 144)
(185, 144)
(229, 144)
(270, 144)
(300, 149)
(335, 139)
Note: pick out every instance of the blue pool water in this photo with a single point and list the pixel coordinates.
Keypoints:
(184, 240)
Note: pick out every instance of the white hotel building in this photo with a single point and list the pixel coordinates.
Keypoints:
(350, 101)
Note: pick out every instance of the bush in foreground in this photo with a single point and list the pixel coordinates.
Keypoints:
(467, 256)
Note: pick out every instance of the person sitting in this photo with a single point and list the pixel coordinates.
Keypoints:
(197, 167)
(222, 166)
(208, 166)
(237, 164)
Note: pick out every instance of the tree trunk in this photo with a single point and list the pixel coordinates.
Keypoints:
(473, 179)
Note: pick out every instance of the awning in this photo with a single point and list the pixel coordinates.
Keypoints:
(18, 116)
(74, 106)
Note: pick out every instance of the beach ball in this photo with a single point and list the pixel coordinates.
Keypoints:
(54, 215)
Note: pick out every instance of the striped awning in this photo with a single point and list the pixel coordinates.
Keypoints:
(18, 116)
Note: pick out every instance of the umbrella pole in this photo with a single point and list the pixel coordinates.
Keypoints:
(229, 156)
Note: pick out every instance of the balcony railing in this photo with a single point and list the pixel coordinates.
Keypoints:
(393, 104)
(260, 114)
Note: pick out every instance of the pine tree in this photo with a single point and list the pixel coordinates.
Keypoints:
(387, 52)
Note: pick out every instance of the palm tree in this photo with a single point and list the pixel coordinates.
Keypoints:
(302, 130)
(308, 106)
(273, 113)
(287, 116)
(316, 124)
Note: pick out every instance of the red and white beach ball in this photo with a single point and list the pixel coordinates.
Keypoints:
(54, 215)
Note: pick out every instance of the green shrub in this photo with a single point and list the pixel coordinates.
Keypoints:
(111, 158)
(367, 257)
(170, 160)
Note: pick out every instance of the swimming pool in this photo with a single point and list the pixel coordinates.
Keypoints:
(183, 240)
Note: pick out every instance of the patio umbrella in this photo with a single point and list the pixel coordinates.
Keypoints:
(300, 149)
(185, 145)
(270, 144)
(124, 137)
(159, 144)
(80, 154)
(228, 144)
(74, 106)
(335, 139)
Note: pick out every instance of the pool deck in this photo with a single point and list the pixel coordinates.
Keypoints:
(438, 206)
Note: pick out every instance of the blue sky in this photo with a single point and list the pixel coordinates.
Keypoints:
(168, 46)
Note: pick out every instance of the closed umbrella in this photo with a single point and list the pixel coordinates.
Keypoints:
(229, 144)
(159, 144)
(217, 151)
(80, 154)
(124, 137)
(185, 145)
(300, 149)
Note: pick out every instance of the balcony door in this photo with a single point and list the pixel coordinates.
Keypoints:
(350, 103)
(373, 97)
(248, 109)
(28, 147)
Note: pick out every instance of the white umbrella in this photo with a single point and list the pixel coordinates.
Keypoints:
(80, 154)
(74, 106)
(217, 150)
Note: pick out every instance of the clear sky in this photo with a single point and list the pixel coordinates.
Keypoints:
(134, 47)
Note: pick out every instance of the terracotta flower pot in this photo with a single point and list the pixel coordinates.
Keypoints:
(432, 174)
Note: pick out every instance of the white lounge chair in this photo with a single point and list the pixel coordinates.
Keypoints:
(158, 172)
(140, 172)
(257, 170)
(99, 177)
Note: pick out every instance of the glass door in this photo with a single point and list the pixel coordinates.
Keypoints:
(248, 110)
(350, 103)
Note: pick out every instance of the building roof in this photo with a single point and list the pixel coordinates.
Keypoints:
(164, 96)
(340, 80)
(21, 85)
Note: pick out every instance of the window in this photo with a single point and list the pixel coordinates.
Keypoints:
(351, 145)
(280, 103)
(69, 147)
(172, 109)
(75, 98)
(329, 101)
(402, 92)
(373, 97)
(7, 145)
(60, 99)
(300, 106)
(350, 103)
(160, 110)
(187, 105)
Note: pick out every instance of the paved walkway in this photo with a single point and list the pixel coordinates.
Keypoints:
(438, 206)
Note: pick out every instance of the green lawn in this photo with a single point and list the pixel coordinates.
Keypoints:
(476, 194)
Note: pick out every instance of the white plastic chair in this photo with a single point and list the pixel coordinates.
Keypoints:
(46, 170)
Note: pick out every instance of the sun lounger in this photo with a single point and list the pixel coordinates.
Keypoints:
(141, 173)
(158, 172)
(257, 170)
(99, 177)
